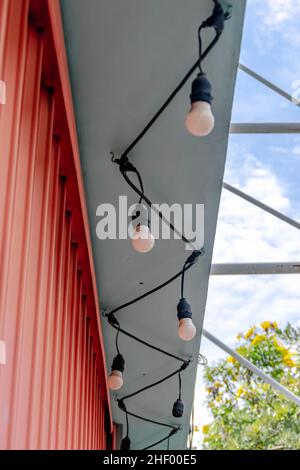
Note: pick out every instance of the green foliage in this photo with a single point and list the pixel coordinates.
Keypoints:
(248, 413)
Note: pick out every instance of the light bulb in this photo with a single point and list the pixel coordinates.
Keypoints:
(200, 121)
(115, 380)
(142, 240)
(187, 329)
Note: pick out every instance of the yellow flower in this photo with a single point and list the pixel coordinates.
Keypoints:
(231, 360)
(239, 336)
(258, 339)
(274, 325)
(250, 333)
(205, 429)
(217, 385)
(266, 325)
(288, 361)
(196, 429)
(279, 347)
(240, 392)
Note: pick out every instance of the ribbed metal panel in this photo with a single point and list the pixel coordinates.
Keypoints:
(53, 390)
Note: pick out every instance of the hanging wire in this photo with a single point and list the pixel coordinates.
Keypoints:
(117, 341)
(200, 48)
(216, 20)
(161, 440)
(152, 421)
(202, 361)
(145, 343)
(127, 167)
(158, 382)
(141, 186)
(191, 260)
(170, 97)
(127, 424)
(182, 280)
(179, 380)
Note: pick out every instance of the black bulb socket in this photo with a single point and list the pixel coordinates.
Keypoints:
(184, 310)
(118, 363)
(201, 89)
(125, 444)
(178, 408)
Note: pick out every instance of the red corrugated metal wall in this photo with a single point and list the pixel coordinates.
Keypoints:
(53, 390)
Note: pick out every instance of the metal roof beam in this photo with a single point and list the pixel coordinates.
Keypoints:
(242, 269)
(265, 128)
(261, 205)
(269, 84)
(242, 360)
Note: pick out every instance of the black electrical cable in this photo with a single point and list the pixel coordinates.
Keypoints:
(216, 20)
(158, 382)
(182, 281)
(179, 380)
(212, 21)
(145, 343)
(117, 341)
(162, 440)
(127, 424)
(141, 186)
(141, 194)
(200, 48)
(191, 260)
(148, 420)
(171, 96)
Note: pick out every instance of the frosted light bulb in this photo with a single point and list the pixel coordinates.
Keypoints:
(200, 121)
(143, 240)
(187, 329)
(115, 380)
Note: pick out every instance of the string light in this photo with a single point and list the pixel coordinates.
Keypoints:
(115, 379)
(178, 406)
(186, 329)
(142, 238)
(200, 122)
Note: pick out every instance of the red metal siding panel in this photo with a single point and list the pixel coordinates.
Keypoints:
(53, 391)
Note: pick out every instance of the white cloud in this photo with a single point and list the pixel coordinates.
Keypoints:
(296, 150)
(280, 11)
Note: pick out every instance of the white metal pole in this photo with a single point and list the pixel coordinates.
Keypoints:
(240, 269)
(265, 128)
(265, 377)
(261, 205)
(269, 84)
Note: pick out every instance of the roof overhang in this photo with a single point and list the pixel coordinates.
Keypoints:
(124, 58)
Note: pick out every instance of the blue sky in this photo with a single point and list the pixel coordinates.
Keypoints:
(268, 168)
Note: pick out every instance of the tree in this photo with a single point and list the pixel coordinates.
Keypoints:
(248, 413)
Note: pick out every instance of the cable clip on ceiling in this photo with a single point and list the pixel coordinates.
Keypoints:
(199, 122)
